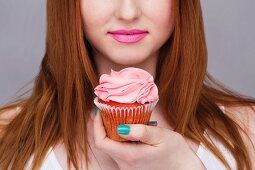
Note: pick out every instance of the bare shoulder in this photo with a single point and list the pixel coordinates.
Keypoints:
(8, 114)
(245, 117)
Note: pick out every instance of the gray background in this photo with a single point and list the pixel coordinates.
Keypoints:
(230, 36)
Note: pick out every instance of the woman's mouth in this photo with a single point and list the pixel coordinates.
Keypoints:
(128, 36)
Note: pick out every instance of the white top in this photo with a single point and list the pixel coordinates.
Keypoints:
(210, 161)
(50, 162)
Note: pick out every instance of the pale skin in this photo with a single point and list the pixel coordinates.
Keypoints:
(105, 161)
(107, 154)
(160, 147)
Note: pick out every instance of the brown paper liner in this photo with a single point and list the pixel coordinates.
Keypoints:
(113, 116)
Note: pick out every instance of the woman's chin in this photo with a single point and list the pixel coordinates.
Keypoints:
(130, 60)
(130, 63)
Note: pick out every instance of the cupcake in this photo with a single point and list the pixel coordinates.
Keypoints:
(125, 97)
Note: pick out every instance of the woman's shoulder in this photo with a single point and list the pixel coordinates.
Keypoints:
(6, 115)
(244, 116)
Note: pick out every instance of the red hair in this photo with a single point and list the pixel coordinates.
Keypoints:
(62, 97)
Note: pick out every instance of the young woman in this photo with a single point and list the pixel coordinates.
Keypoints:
(201, 124)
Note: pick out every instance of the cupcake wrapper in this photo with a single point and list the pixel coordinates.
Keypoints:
(113, 116)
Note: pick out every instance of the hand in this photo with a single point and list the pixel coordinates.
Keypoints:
(155, 148)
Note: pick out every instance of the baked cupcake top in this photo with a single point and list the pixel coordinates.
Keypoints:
(129, 85)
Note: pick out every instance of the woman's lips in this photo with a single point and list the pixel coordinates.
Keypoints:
(128, 36)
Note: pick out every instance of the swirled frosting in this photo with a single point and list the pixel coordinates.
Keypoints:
(129, 85)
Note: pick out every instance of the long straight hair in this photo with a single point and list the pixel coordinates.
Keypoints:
(62, 97)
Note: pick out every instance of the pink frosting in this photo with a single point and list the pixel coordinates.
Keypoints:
(129, 85)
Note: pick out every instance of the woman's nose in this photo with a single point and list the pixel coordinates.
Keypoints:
(128, 10)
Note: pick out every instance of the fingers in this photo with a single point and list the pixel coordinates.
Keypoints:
(99, 131)
(149, 135)
(116, 149)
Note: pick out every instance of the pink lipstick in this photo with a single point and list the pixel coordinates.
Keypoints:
(128, 36)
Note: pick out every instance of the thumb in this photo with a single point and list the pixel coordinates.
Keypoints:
(150, 135)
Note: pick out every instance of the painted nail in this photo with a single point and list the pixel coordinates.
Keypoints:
(96, 111)
(123, 129)
(153, 123)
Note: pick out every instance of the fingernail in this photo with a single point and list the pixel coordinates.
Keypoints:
(123, 129)
(153, 123)
(96, 111)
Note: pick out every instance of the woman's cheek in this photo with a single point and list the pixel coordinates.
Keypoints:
(95, 13)
(160, 12)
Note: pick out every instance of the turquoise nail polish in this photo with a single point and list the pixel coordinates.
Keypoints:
(153, 122)
(123, 129)
(96, 111)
